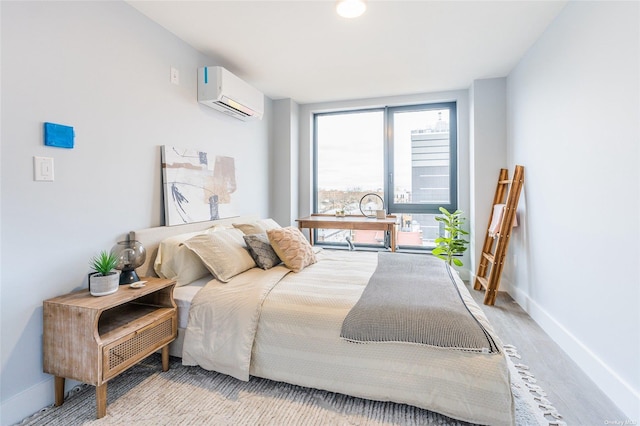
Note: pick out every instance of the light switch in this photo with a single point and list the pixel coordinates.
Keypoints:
(175, 76)
(43, 169)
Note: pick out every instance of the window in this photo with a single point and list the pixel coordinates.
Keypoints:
(407, 155)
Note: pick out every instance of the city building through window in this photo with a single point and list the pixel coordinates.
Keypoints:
(407, 155)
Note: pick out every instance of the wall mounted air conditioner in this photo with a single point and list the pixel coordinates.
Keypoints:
(219, 89)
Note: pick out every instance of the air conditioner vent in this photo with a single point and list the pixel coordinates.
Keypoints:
(221, 90)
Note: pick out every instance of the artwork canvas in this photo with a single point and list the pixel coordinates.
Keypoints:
(198, 185)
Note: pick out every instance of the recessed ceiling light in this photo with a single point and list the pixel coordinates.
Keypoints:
(350, 8)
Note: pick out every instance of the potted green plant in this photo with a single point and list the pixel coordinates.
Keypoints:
(105, 280)
(452, 243)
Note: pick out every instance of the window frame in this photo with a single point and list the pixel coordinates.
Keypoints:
(388, 161)
(422, 208)
(315, 147)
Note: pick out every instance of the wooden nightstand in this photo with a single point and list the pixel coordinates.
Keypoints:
(93, 339)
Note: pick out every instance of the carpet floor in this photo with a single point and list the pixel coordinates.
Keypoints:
(144, 395)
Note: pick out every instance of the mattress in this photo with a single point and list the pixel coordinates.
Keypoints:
(297, 341)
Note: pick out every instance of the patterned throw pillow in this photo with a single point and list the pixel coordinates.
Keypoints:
(292, 247)
(261, 250)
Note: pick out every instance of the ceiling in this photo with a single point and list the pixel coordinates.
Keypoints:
(304, 51)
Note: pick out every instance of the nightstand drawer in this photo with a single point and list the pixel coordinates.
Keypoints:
(124, 352)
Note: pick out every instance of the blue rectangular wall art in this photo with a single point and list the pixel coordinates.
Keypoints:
(58, 135)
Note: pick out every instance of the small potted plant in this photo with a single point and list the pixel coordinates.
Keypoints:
(105, 280)
(451, 244)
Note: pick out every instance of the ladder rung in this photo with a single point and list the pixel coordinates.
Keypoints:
(506, 181)
(489, 257)
(483, 282)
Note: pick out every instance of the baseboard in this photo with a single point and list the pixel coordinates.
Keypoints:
(614, 386)
(464, 273)
(27, 402)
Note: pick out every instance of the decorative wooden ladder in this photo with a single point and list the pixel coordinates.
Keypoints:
(497, 257)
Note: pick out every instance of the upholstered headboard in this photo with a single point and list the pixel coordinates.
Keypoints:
(152, 237)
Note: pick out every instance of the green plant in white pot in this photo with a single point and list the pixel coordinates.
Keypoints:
(105, 280)
(451, 244)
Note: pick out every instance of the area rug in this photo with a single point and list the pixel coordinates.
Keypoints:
(144, 395)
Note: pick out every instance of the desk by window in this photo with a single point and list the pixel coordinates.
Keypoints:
(326, 221)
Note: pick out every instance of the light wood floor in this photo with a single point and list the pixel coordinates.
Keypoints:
(573, 394)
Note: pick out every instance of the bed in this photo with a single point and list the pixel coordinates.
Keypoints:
(293, 334)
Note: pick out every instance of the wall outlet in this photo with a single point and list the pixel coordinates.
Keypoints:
(175, 76)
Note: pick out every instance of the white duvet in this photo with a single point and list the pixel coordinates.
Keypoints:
(285, 326)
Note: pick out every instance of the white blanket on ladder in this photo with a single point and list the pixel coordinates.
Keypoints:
(496, 220)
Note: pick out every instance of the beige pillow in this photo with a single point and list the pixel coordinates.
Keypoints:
(223, 253)
(292, 247)
(176, 262)
(258, 227)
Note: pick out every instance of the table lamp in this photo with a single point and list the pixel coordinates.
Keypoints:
(131, 254)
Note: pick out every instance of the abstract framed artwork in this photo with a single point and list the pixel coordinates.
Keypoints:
(198, 185)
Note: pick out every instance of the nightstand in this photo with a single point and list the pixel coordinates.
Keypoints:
(93, 339)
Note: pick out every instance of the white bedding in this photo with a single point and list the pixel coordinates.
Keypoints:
(183, 297)
(296, 334)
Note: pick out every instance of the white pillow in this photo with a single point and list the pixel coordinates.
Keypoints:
(257, 227)
(224, 253)
(176, 262)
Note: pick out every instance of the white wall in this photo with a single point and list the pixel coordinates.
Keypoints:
(573, 114)
(284, 160)
(488, 154)
(103, 68)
